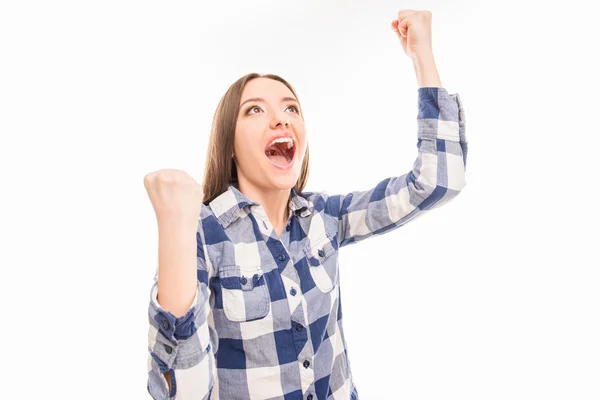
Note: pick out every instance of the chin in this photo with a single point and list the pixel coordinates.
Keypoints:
(283, 182)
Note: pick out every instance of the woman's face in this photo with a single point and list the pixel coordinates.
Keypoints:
(266, 105)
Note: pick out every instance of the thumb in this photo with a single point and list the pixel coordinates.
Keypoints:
(395, 28)
(403, 27)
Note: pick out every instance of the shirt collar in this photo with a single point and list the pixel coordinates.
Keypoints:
(227, 206)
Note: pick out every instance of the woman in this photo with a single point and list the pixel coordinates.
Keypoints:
(246, 302)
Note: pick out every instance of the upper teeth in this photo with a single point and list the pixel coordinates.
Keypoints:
(289, 141)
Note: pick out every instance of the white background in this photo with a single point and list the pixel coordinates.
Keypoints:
(493, 296)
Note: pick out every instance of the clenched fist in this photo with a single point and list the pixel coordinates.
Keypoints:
(413, 28)
(176, 197)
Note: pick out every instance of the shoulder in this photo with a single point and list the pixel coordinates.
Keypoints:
(322, 201)
(209, 226)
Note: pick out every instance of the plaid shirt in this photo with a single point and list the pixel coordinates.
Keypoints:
(266, 322)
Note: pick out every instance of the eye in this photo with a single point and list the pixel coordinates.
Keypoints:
(251, 108)
(295, 108)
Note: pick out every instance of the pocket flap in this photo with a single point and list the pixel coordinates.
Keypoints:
(241, 277)
(319, 250)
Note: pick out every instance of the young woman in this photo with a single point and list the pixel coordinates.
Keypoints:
(246, 303)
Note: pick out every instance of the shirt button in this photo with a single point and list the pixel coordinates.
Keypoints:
(288, 227)
(306, 363)
(165, 325)
(169, 349)
(281, 257)
(293, 291)
(299, 327)
(321, 253)
(309, 397)
(243, 280)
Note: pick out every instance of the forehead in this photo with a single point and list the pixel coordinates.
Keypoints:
(269, 89)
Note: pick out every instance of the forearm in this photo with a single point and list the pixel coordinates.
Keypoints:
(180, 338)
(426, 70)
(177, 266)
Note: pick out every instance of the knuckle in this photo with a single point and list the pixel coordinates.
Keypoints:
(173, 177)
(163, 178)
(148, 178)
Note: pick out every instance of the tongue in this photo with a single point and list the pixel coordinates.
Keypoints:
(277, 156)
(279, 160)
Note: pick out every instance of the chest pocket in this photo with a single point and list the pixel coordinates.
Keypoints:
(322, 261)
(245, 292)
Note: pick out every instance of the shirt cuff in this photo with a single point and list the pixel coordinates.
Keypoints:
(171, 327)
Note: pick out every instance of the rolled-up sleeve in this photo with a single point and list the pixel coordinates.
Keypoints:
(182, 346)
(437, 176)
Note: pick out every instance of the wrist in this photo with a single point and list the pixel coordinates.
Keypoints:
(425, 69)
(422, 58)
(176, 225)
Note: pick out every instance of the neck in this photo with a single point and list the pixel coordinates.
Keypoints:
(274, 201)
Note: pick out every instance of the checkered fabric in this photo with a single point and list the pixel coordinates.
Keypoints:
(266, 322)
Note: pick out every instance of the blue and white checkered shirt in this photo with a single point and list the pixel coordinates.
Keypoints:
(266, 322)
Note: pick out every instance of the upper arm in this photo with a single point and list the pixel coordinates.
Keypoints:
(437, 175)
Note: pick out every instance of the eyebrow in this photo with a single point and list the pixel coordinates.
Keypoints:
(260, 99)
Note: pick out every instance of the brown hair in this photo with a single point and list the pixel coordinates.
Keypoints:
(220, 170)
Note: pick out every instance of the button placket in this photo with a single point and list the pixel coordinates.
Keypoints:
(166, 326)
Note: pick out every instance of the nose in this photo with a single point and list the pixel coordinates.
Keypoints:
(282, 120)
(286, 124)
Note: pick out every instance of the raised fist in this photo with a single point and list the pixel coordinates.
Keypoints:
(176, 197)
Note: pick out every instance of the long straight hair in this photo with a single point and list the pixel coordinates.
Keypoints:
(220, 170)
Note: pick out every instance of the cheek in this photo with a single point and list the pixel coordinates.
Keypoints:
(304, 141)
(245, 145)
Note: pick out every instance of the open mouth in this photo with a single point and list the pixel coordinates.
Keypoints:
(281, 152)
